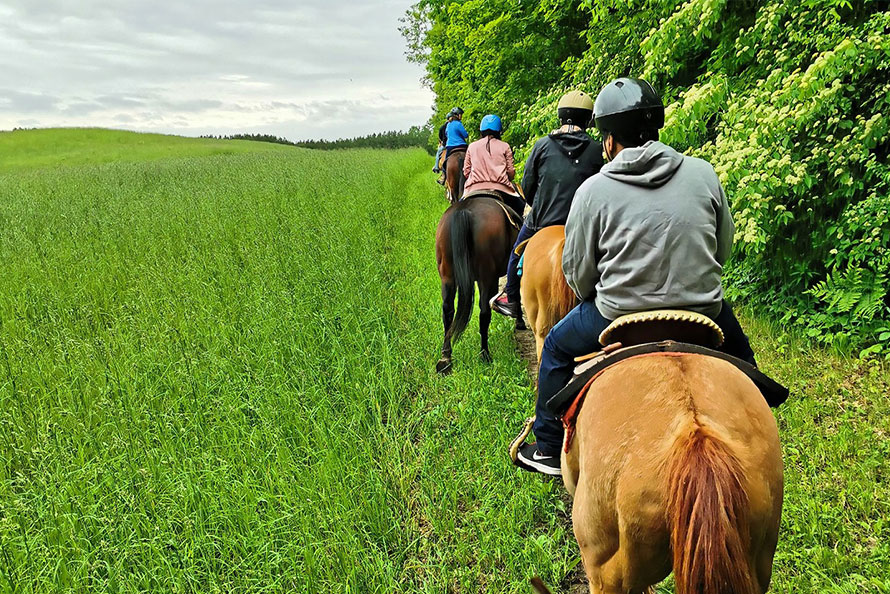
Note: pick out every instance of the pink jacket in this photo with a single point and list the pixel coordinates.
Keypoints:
(489, 166)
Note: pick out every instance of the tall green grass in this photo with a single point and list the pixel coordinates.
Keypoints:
(216, 375)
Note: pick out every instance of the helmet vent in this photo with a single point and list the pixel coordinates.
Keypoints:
(619, 84)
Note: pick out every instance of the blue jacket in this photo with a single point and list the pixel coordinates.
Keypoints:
(456, 133)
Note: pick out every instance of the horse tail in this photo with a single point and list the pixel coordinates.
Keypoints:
(462, 257)
(562, 298)
(708, 515)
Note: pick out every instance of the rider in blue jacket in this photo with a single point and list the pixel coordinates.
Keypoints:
(456, 137)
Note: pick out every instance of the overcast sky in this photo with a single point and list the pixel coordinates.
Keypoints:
(294, 68)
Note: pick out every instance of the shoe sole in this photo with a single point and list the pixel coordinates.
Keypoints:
(504, 312)
(536, 466)
(497, 309)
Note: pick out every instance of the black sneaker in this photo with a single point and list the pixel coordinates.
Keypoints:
(529, 458)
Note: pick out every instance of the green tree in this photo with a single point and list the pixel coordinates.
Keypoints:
(788, 100)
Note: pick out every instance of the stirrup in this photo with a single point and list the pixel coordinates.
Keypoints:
(513, 450)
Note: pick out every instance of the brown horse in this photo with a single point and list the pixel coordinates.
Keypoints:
(454, 175)
(546, 296)
(473, 242)
(675, 465)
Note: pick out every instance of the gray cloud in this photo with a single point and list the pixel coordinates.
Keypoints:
(211, 64)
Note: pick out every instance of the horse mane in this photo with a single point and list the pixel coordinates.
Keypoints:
(708, 515)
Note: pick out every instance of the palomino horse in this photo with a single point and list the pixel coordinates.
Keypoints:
(546, 296)
(473, 242)
(454, 175)
(675, 465)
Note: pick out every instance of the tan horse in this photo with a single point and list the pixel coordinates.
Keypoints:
(675, 465)
(546, 296)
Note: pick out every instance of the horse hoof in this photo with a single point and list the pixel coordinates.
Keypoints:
(485, 356)
(520, 324)
(443, 366)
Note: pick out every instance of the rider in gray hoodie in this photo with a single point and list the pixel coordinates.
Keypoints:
(662, 231)
(651, 230)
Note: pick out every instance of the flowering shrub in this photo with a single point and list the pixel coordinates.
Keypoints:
(788, 100)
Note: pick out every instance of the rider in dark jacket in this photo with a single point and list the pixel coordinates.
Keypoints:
(556, 167)
(443, 138)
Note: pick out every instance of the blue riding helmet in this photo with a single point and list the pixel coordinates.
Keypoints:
(491, 122)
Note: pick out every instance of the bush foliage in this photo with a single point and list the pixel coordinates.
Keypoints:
(788, 100)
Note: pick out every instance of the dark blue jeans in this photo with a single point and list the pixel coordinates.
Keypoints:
(512, 286)
(578, 334)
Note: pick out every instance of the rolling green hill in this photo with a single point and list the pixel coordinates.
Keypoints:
(217, 375)
(65, 147)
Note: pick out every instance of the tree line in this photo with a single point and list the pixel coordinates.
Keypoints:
(789, 100)
(416, 136)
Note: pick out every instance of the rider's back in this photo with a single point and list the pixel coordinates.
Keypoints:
(558, 164)
(455, 134)
(660, 228)
(489, 165)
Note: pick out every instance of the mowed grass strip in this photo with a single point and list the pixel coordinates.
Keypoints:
(216, 374)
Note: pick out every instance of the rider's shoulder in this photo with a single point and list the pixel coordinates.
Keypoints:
(702, 168)
(541, 143)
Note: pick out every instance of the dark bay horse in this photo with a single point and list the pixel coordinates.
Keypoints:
(454, 175)
(473, 243)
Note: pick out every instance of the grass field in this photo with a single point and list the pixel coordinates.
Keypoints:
(216, 375)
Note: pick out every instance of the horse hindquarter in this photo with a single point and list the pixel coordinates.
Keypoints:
(546, 296)
(683, 450)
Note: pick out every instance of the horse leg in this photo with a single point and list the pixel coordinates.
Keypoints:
(443, 366)
(597, 528)
(487, 290)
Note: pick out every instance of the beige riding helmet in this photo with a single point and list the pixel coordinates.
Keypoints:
(576, 100)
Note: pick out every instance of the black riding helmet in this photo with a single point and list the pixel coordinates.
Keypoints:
(630, 109)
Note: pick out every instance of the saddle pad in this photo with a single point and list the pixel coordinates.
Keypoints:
(773, 392)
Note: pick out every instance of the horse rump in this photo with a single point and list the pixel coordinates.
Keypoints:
(562, 298)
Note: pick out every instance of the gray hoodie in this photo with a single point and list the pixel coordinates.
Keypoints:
(651, 230)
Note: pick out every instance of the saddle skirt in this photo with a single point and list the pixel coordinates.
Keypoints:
(632, 330)
(514, 217)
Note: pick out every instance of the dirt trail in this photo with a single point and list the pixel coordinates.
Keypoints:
(525, 344)
(576, 581)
